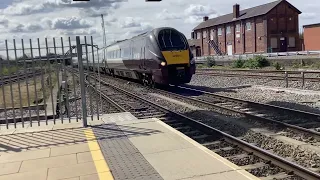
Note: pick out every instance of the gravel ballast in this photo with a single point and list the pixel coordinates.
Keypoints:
(227, 86)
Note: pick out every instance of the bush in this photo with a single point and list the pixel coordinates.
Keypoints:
(316, 65)
(256, 62)
(4, 71)
(210, 61)
(238, 63)
(262, 61)
(277, 66)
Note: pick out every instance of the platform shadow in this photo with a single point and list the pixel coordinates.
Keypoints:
(63, 137)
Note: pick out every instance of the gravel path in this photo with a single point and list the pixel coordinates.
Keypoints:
(219, 85)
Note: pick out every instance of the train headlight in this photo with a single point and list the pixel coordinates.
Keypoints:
(163, 63)
(193, 61)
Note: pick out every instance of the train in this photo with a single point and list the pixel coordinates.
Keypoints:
(161, 56)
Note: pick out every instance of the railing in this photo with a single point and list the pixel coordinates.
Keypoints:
(279, 55)
(214, 45)
(41, 90)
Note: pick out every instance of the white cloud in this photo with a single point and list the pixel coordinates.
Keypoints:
(199, 10)
(70, 23)
(308, 15)
(34, 6)
(166, 15)
(130, 22)
(79, 32)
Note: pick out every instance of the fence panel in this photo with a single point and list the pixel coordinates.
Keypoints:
(40, 82)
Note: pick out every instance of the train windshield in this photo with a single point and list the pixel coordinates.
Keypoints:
(171, 40)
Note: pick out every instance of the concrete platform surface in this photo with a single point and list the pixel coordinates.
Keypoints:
(118, 146)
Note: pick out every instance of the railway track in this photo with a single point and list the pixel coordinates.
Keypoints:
(304, 124)
(255, 160)
(272, 77)
(15, 78)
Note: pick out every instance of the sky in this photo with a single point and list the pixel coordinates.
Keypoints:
(32, 19)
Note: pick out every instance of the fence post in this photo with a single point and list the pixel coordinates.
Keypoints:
(82, 83)
(302, 73)
(286, 78)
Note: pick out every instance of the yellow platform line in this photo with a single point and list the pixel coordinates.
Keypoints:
(100, 163)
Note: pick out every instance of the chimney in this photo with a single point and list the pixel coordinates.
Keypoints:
(192, 35)
(205, 18)
(236, 11)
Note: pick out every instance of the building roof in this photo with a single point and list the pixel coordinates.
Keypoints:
(244, 14)
(311, 25)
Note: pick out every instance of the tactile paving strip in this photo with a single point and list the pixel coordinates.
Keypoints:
(123, 158)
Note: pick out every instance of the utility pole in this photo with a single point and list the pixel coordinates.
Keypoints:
(104, 32)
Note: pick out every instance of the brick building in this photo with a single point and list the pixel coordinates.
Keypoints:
(272, 27)
(311, 35)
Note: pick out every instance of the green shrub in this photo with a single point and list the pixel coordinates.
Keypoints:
(210, 61)
(262, 61)
(251, 63)
(200, 66)
(4, 71)
(256, 62)
(277, 66)
(238, 63)
(316, 65)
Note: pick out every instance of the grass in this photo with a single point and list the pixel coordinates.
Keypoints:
(24, 91)
(5, 71)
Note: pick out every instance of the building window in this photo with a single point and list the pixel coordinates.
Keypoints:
(211, 34)
(274, 42)
(228, 29)
(204, 34)
(219, 31)
(198, 35)
(292, 42)
(238, 28)
(248, 26)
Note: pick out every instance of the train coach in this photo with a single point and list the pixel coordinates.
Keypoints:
(160, 56)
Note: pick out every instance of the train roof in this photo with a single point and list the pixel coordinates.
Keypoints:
(155, 31)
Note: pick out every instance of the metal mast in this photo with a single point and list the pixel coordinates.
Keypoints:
(104, 32)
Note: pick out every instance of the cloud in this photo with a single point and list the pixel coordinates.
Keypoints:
(130, 22)
(69, 23)
(165, 15)
(308, 15)
(196, 12)
(90, 8)
(4, 21)
(26, 28)
(79, 32)
(199, 10)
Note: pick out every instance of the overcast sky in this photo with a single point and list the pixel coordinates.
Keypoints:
(123, 18)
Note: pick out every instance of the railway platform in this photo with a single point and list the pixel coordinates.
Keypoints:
(118, 146)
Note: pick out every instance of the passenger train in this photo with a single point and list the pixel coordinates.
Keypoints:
(160, 56)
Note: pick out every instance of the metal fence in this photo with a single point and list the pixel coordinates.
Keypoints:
(39, 86)
(279, 55)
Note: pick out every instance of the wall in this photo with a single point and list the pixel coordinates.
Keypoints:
(312, 38)
(283, 22)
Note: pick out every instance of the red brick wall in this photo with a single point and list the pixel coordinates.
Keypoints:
(249, 37)
(260, 39)
(230, 37)
(205, 45)
(283, 21)
(312, 38)
(238, 44)
(222, 39)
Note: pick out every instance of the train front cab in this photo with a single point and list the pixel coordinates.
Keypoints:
(178, 65)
